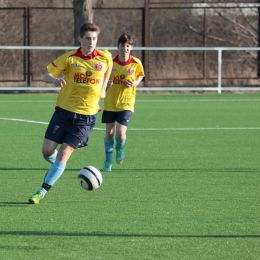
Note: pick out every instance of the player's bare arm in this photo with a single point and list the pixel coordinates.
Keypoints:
(105, 82)
(57, 82)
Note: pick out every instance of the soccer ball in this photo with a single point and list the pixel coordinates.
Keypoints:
(90, 178)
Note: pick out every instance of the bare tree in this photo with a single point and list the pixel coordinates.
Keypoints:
(229, 24)
(83, 13)
(239, 18)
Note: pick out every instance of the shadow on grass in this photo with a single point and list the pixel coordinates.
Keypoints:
(97, 234)
(14, 204)
(23, 169)
(208, 170)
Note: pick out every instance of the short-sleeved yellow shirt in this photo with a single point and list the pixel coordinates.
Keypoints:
(119, 97)
(84, 77)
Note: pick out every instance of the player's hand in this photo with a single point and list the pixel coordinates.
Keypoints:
(103, 94)
(109, 83)
(59, 82)
(130, 83)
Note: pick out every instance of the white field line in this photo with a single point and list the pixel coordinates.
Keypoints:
(28, 101)
(144, 100)
(23, 120)
(146, 129)
(193, 129)
(201, 100)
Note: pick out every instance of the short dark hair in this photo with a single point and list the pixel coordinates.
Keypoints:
(125, 38)
(88, 27)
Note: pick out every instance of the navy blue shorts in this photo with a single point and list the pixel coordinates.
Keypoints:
(70, 128)
(122, 117)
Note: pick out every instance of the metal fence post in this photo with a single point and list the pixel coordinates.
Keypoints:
(219, 69)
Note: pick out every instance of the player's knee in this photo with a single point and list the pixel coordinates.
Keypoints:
(109, 136)
(47, 152)
(120, 136)
(64, 154)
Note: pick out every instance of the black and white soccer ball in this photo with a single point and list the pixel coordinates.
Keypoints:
(90, 178)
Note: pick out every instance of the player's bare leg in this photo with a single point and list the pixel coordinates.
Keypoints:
(49, 151)
(55, 171)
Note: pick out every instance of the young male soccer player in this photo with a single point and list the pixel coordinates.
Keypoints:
(126, 74)
(86, 74)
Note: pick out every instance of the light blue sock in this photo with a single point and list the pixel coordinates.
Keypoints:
(54, 173)
(109, 150)
(120, 143)
(43, 191)
(52, 158)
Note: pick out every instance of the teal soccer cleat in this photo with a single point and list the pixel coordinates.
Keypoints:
(107, 166)
(120, 155)
(36, 198)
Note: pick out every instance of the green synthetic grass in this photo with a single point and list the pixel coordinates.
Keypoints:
(188, 188)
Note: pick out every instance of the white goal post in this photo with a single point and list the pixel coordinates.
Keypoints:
(218, 88)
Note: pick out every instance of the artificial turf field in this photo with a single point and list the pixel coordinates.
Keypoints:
(189, 187)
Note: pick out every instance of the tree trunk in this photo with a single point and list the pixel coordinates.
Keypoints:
(83, 13)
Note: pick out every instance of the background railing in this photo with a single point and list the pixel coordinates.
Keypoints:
(219, 88)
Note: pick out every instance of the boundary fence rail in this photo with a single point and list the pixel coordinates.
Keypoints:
(219, 88)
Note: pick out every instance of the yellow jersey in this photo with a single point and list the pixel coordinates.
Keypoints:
(84, 77)
(119, 97)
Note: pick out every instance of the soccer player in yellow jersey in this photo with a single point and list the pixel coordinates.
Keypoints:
(126, 74)
(86, 73)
